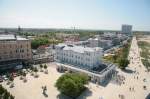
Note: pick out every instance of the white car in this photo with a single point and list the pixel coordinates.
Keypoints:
(4, 77)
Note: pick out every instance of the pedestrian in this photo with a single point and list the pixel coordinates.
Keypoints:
(133, 89)
(130, 88)
(119, 95)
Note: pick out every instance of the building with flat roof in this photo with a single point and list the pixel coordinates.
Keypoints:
(84, 57)
(86, 60)
(14, 48)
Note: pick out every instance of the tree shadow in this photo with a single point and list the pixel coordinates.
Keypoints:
(46, 95)
(62, 96)
(84, 95)
(128, 71)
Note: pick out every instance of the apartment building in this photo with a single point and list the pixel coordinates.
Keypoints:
(127, 29)
(13, 48)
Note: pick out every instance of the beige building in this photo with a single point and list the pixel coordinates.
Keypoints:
(14, 47)
(68, 37)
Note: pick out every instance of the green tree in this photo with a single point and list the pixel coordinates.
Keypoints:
(123, 63)
(115, 58)
(45, 66)
(12, 97)
(41, 66)
(35, 70)
(4, 94)
(72, 84)
(11, 78)
(24, 74)
(39, 41)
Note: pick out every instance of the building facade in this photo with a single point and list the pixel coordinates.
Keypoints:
(127, 29)
(14, 47)
(74, 37)
(83, 57)
(93, 42)
(99, 42)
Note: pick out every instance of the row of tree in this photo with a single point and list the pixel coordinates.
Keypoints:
(43, 41)
(121, 56)
(4, 94)
(123, 61)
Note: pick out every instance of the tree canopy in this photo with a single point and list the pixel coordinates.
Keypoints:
(43, 41)
(39, 41)
(72, 84)
(4, 94)
(123, 63)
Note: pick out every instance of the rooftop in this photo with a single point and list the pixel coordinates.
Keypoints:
(79, 49)
(7, 37)
(4, 37)
(21, 38)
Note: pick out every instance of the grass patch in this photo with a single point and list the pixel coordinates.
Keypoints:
(145, 53)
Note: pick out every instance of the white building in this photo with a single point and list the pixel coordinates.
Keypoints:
(105, 44)
(93, 42)
(126, 29)
(83, 57)
(110, 34)
(100, 42)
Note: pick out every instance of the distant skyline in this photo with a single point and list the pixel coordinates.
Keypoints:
(82, 14)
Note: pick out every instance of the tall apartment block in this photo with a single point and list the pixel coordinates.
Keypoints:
(127, 29)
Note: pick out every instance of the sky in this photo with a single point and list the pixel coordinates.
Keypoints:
(81, 14)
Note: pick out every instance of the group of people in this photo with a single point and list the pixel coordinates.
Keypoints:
(120, 79)
(44, 89)
(131, 89)
(121, 96)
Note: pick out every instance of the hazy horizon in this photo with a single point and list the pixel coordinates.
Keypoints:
(85, 14)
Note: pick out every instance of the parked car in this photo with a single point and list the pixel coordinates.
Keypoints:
(1, 79)
(4, 77)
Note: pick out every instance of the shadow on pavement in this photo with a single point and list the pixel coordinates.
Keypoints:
(62, 96)
(85, 94)
(128, 71)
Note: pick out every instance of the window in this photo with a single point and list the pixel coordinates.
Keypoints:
(10, 52)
